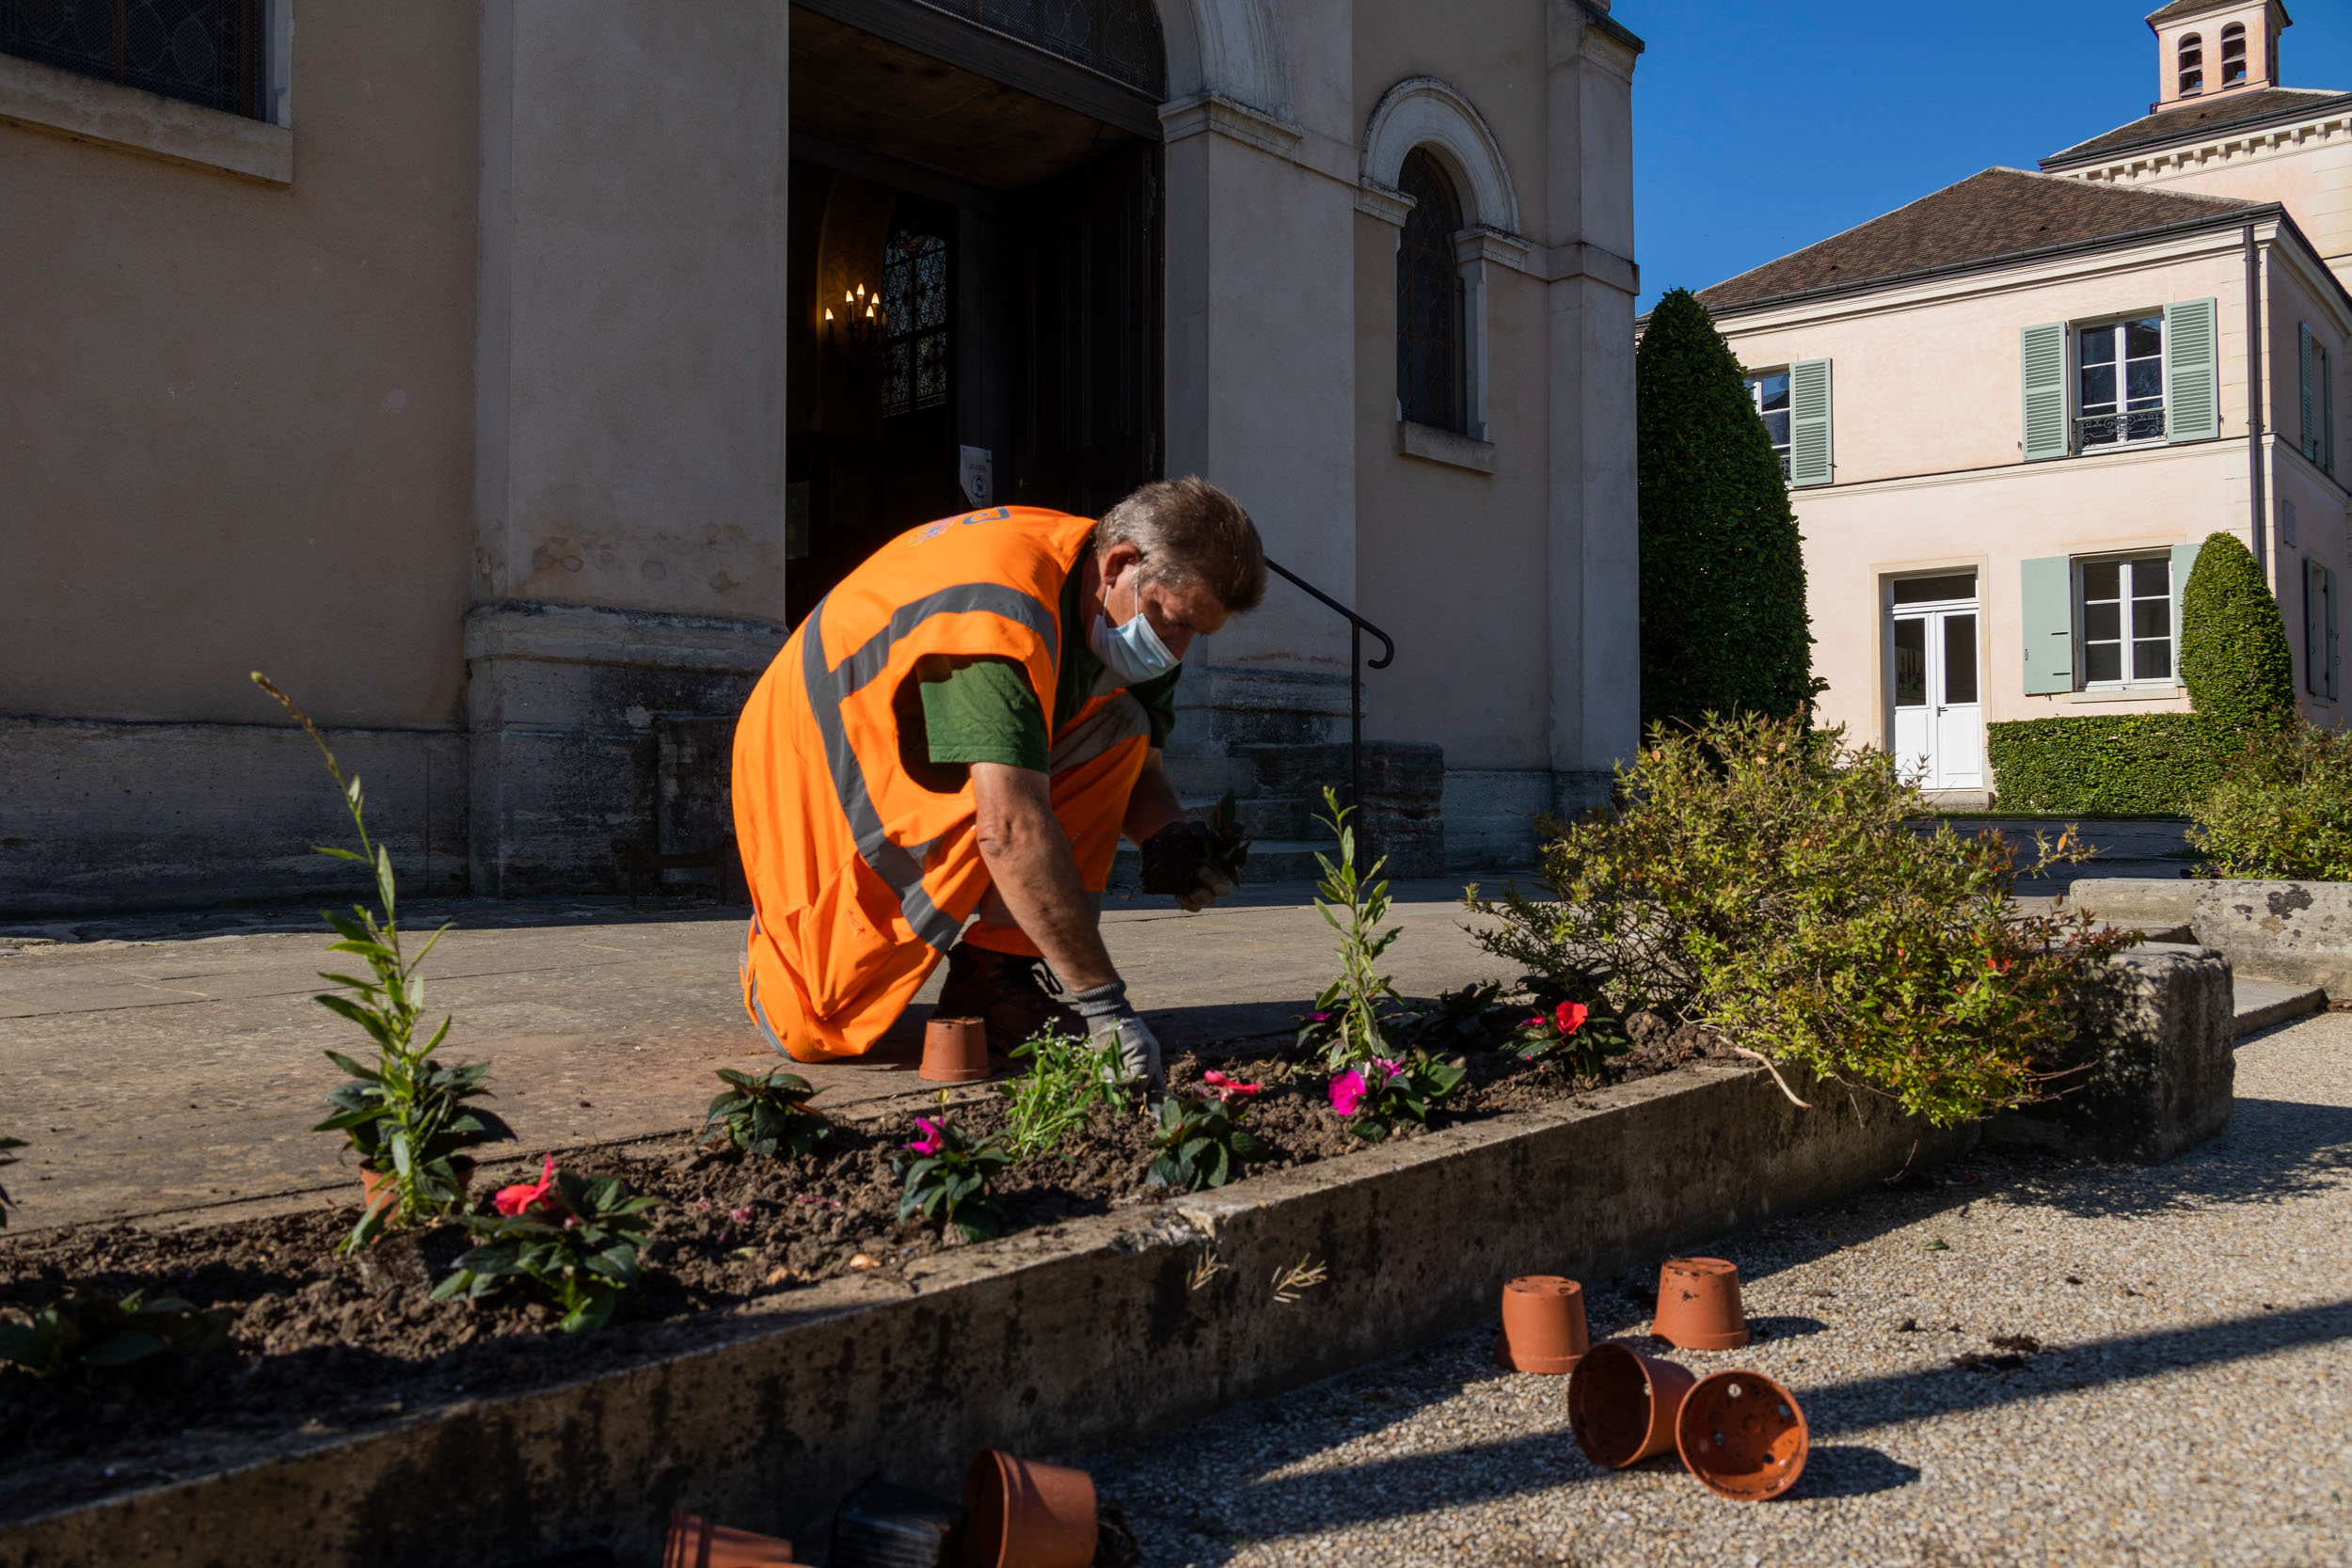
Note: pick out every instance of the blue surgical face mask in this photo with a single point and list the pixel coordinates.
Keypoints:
(1132, 653)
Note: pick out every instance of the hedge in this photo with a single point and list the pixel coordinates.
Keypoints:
(2234, 645)
(2131, 763)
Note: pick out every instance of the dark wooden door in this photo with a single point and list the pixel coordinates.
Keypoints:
(1084, 273)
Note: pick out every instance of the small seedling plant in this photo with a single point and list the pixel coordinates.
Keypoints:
(1386, 1090)
(574, 1240)
(1349, 1021)
(947, 1173)
(1201, 1138)
(83, 1332)
(766, 1115)
(1069, 1075)
(404, 1115)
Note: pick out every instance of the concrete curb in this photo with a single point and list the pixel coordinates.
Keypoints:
(1060, 1340)
(2290, 931)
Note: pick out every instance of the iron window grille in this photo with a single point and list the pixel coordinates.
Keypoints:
(2119, 383)
(1430, 382)
(205, 51)
(914, 344)
(1120, 38)
(1769, 393)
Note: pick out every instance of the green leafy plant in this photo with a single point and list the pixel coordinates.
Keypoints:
(1473, 1018)
(80, 1333)
(1724, 624)
(1571, 1034)
(2283, 809)
(6, 1202)
(948, 1175)
(1380, 1093)
(1201, 1136)
(1778, 885)
(2122, 765)
(1349, 1024)
(405, 1115)
(2234, 644)
(572, 1239)
(1069, 1075)
(766, 1115)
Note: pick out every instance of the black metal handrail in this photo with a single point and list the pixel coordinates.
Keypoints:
(1357, 626)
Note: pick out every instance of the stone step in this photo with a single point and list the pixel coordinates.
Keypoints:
(1262, 816)
(1271, 860)
(2258, 1003)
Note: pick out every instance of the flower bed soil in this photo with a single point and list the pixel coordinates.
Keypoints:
(320, 1342)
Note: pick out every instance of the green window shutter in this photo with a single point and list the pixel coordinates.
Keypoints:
(2049, 619)
(2314, 632)
(2183, 562)
(2044, 353)
(2327, 411)
(2330, 582)
(2192, 387)
(2304, 356)
(1808, 423)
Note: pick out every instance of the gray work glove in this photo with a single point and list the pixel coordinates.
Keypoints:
(1112, 1023)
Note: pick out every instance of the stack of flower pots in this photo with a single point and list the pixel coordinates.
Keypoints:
(1740, 1432)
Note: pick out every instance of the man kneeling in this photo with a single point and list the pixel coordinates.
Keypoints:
(967, 725)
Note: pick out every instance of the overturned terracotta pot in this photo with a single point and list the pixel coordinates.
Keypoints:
(1744, 1435)
(695, 1543)
(955, 1049)
(1698, 1305)
(1019, 1513)
(1622, 1404)
(379, 1189)
(1543, 1325)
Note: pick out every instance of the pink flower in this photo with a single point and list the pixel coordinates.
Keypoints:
(1319, 1018)
(1347, 1092)
(1227, 1089)
(1390, 1068)
(933, 1140)
(1536, 1023)
(526, 1195)
(1570, 1016)
(741, 1216)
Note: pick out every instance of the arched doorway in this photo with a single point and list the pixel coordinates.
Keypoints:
(975, 265)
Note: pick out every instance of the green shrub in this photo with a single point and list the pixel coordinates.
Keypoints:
(1723, 625)
(1778, 885)
(2116, 765)
(2234, 645)
(2283, 809)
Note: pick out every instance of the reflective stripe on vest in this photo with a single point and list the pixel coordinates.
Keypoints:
(901, 867)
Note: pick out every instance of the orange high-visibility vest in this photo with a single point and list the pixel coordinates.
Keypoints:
(860, 876)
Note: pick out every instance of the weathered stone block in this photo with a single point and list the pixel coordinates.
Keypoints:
(2280, 930)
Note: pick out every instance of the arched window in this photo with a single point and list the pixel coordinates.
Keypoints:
(2192, 64)
(915, 322)
(2234, 53)
(1429, 378)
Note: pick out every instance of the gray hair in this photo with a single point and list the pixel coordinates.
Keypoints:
(1189, 531)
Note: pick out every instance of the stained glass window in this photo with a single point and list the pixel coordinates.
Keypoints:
(1118, 38)
(1429, 377)
(915, 322)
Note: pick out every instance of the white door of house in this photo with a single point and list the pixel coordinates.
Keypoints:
(1939, 722)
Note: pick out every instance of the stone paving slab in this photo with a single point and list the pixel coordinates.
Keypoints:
(171, 1066)
(2187, 1404)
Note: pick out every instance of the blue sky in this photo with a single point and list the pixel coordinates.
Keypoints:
(1758, 129)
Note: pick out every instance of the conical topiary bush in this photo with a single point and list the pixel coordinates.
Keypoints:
(2234, 645)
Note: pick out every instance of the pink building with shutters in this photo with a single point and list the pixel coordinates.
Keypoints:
(2013, 410)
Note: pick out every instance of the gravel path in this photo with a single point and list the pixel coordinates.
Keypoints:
(2189, 1403)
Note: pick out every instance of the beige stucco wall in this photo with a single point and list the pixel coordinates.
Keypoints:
(240, 415)
(1927, 416)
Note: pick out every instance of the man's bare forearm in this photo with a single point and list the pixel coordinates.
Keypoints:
(1028, 859)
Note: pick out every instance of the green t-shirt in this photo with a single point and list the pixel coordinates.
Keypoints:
(981, 710)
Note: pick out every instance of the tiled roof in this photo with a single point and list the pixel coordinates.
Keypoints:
(2002, 212)
(2200, 118)
(2163, 14)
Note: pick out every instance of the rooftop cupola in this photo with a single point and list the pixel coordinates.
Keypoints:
(2208, 47)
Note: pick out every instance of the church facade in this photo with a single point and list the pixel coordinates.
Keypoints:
(506, 377)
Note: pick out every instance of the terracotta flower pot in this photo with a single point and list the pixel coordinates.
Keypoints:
(377, 1188)
(1744, 1435)
(1622, 1404)
(1543, 1325)
(1018, 1513)
(1698, 1305)
(699, 1544)
(955, 1049)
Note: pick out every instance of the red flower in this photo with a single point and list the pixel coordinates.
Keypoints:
(526, 1195)
(1570, 1017)
(1227, 1089)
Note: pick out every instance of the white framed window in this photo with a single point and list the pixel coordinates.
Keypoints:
(2124, 611)
(2319, 629)
(2318, 444)
(2119, 383)
(1769, 391)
